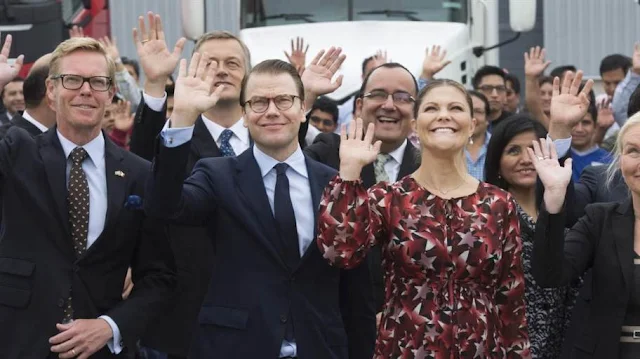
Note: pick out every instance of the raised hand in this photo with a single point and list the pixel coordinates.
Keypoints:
(380, 58)
(568, 106)
(8, 72)
(553, 176)
(605, 114)
(76, 31)
(156, 60)
(123, 118)
(434, 62)
(317, 76)
(534, 62)
(194, 90)
(356, 152)
(111, 47)
(298, 57)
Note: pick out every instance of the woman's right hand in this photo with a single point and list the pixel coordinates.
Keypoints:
(553, 176)
(356, 152)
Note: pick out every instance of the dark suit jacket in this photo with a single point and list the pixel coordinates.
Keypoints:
(252, 290)
(326, 149)
(38, 266)
(603, 241)
(19, 121)
(193, 250)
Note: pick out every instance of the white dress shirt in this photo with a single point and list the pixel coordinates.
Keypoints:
(96, 172)
(34, 122)
(392, 167)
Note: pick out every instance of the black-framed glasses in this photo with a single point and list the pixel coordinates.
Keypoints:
(489, 88)
(75, 82)
(325, 122)
(398, 97)
(260, 104)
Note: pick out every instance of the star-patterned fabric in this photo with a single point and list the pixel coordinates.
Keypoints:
(454, 283)
(225, 146)
(78, 202)
(378, 167)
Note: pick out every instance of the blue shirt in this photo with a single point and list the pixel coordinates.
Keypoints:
(594, 156)
(299, 190)
(476, 168)
(96, 172)
(621, 96)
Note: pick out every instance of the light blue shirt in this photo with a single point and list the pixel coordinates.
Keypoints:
(96, 172)
(299, 190)
(476, 168)
(621, 96)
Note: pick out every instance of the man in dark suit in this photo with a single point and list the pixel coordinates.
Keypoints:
(61, 279)
(388, 99)
(191, 244)
(12, 99)
(271, 295)
(37, 117)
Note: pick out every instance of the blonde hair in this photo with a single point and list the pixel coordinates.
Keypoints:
(79, 44)
(226, 35)
(614, 167)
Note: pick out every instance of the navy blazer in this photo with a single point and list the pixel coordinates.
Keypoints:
(252, 290)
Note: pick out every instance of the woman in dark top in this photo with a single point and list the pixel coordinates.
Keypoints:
(606, 239)
(508, 166)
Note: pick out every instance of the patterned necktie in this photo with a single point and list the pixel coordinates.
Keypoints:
(78, 202)
(225, 146)
(378, 167)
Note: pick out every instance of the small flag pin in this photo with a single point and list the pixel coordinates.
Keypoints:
(119, 173)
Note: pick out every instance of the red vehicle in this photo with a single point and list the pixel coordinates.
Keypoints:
(38, 26)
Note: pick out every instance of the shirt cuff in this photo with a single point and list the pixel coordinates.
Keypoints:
(562, 145)
(422, 83)
(154, 103)
(115, 343)
(174, 137)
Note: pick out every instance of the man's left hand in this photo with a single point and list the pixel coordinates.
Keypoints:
(81, 338)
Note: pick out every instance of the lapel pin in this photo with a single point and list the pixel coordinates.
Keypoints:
(119, 173)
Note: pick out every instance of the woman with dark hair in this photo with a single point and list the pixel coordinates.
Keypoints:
(450, 243)
(508, 166)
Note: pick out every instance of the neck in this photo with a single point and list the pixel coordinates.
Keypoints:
(79, 137)
(437, 170)
(478, 142)
(43, 115)
(495, 114)
(225, 113)
(388, 147)
(584, 148)
(526, 198)
(280, 154)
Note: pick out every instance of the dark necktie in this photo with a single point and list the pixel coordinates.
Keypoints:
(225, 146)
(285, 217)
(78, 202)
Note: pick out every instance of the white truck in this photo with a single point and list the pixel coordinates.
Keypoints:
(403, 28)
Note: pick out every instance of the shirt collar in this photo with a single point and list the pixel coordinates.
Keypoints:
(398, 153)
(95, 147)
(33, 121)
(266, 163)
(238, 130)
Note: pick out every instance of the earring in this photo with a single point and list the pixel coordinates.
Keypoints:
(471, 140)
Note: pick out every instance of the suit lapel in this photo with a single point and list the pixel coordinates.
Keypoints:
(368, 176)
(622, 223)
(19, 121)
(203, 142)
(253, 194)
(55, 165)
(409, 161)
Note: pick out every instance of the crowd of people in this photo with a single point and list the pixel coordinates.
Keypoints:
(237, 212)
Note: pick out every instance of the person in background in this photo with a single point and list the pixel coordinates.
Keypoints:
(12, 98)
(508, 166)
(561, 71)
(613, 69)
(324, 115)
(513, 94)
(476, 150)
(491, 81)
(622, 93)
(538, 88)
(584, 151)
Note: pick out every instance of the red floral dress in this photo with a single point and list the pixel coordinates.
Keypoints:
(453, 272)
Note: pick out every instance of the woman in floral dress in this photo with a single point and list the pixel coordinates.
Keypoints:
(451, 247)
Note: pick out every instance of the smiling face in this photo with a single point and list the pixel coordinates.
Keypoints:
(12, 96)
(392, 118)
(480, 115)
(630, 158)
(515, 166)
(229, 55)
(274, 129)
(444, 122)
(582, 133)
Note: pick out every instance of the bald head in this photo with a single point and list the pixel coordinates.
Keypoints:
(44, 60)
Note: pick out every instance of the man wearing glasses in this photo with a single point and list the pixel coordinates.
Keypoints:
(271, 294)
(491, 82)
(75, 223)
(388, 99)
(324, 115)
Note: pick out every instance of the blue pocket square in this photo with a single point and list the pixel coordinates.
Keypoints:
(133, 202)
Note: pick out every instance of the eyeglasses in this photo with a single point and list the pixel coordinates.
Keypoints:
(261, 104)
(398, 97)
(489, 88)
(317, 120)
(75, 82)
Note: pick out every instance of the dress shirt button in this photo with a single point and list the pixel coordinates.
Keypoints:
(283, 318)
(60, 302)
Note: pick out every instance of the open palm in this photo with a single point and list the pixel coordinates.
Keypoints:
(317, 76)
(194, 86)
(355, 150)
(155, 58)
(544, 157)
(534, 62)
(567, 105)
(434, 61)
(8, 72)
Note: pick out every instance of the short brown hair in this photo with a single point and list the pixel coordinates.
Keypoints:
(79, 44)
(273, 67)
(441, 83)
(225, 35)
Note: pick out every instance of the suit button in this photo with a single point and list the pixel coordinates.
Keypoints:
(60, 302)
(283, 319)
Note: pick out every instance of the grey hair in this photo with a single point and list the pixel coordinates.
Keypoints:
(614, 167)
